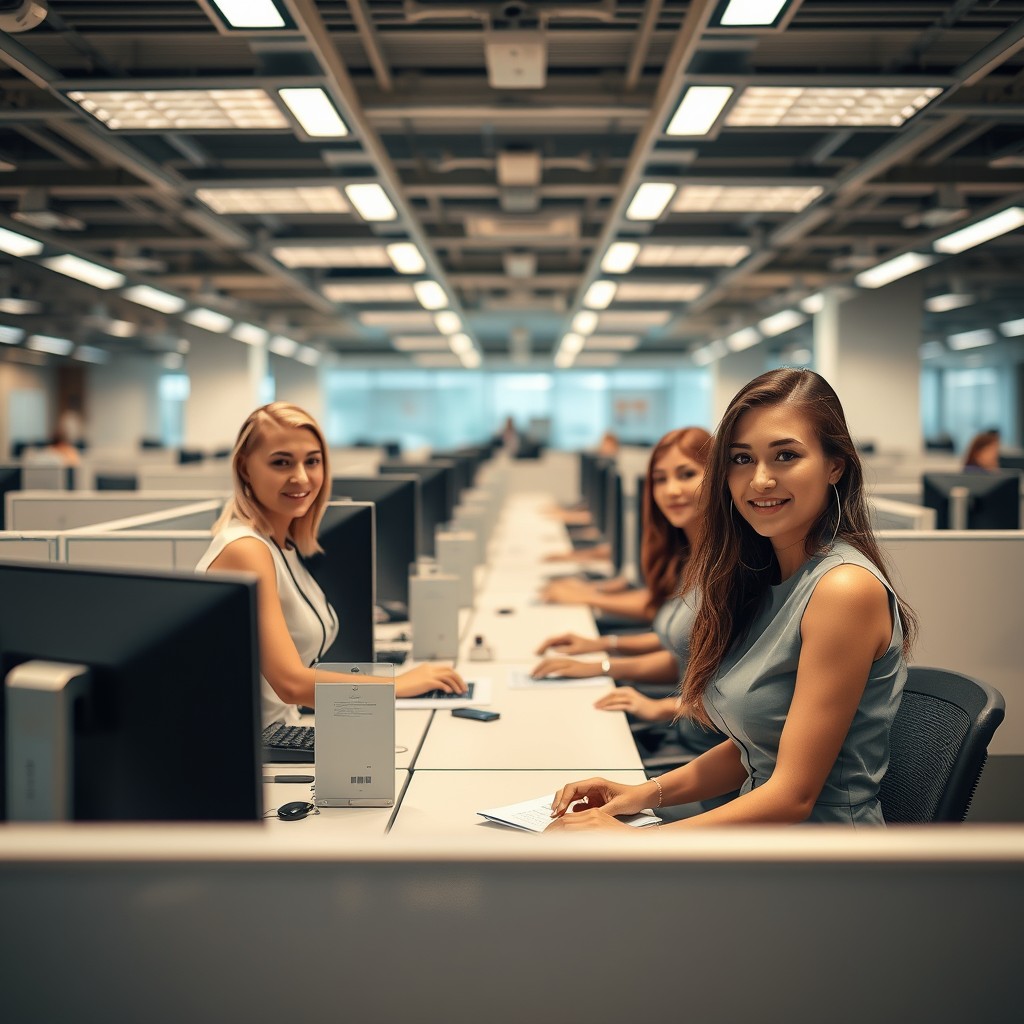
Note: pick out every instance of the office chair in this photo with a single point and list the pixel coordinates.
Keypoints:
(938, 746)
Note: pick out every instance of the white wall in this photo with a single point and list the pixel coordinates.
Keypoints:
(223, 391)
(298, 384)
(20, 377)
(122, 402)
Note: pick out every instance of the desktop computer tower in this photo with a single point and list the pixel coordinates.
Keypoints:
(434, 614)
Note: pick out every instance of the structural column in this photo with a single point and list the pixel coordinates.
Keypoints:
(730, 373)
(224, 381)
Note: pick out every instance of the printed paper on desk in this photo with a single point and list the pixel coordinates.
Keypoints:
(481, 695)
(520, 679)
(535, 815)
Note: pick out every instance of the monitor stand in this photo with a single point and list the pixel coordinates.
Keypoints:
(959, 498)
(41, 698)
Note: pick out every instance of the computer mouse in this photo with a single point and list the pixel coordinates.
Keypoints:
(294, 811)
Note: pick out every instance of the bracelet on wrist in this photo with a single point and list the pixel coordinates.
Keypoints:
(661, 794)
(606, 666)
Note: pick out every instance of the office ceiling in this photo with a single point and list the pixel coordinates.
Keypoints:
(511, 139)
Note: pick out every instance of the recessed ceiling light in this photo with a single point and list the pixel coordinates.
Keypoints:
(745, 198)
(371, 202)
(315, 112)
(971, 339)
(308, 355)
(600, 294)
(398, 320)
(620, 257)
(742, 339)
(572, 343)
(981, 231)
(781, 322)
(118, 328)
(950, 300)
(10, 335)
(650, 200)
(563, 359)
(368, 291)
(448, 322)
(250, 334)
(353, 256)
(420, 343)
(91, 354)
(1012, 328)
(892, 270)
(460, 343)
(471, 359)
(83, 270)
(47, 343)
(208, 320)
(430, 294)
(20, 307)
(181, 109)
(769, 106)
(250, 13)
(406, 258)
(654, 292)
(162, 302)
(613, 342)
(698, 110)
(752, 12)
(585, 321)
(813, 303)
(274, 199)
(283, 346)
(613, 321)
(656, 255)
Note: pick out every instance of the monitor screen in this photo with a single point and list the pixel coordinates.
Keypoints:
(613, 518)
(10, 480)
(993, 499)
(346, 573)
(437, 496)
(1009, 460)
(397, 500)
(169, 726)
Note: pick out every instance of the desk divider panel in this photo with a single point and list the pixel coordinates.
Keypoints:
(53, 510)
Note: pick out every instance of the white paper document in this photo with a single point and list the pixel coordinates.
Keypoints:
(481, 695)
(519, 679)
(535, 815)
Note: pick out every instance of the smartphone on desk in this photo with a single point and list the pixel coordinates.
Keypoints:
(477, 714)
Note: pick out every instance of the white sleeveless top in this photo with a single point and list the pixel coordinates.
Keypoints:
(311, 620)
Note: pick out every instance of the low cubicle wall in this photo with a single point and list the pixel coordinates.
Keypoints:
(53, 510)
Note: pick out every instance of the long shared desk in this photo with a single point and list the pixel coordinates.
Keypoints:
(549, 733)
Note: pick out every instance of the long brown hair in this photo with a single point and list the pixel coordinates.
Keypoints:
(244, 506)
(734, 566)
(664, 548)
(978, 444)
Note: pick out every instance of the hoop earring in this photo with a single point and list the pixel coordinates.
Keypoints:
(247, 490)
(839, 517)
(749, 568)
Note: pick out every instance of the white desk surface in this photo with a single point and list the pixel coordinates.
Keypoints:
(516, 635)
(539, 728)
(344, 821)
(440, 804)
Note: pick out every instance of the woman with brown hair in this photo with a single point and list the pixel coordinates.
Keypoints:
(281, 489)
(798, 646)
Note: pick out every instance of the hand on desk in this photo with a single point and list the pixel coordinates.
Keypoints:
(604, 799)
(647, 709)
(572, 643)
(567, 591)
(425, 678)
(565, 668)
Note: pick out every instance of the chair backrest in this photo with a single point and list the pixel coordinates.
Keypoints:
(938, 745)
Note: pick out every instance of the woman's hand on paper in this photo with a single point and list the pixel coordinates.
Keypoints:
(425, 678)
(565, 668)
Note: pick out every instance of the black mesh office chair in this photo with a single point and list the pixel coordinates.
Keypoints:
(938, 746)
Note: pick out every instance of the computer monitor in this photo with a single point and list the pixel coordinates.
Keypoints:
(346, 573)
(397, 499)
(980, 501)
(1009, 460)
(437, 496)
(10, 480)
(168, 726)
(613, 520)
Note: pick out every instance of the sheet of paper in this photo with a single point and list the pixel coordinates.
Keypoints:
(535, 815)
(520, 679)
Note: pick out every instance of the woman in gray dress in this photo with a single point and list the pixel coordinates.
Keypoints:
(798, 645)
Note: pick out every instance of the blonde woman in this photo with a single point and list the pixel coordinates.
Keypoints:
(280, 470)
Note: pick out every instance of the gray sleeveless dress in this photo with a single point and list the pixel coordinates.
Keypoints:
(750, 697)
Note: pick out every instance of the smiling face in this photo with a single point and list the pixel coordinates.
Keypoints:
(779, 477)
(285, 470)
(675, 485)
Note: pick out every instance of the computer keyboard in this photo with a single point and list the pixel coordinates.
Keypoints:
(392, 655)
(448, 694)
(294, 743)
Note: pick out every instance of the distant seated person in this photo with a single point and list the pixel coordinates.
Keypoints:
(510, 437)
(608, 446)
(577, 514)
(60, 451)
(983, 453)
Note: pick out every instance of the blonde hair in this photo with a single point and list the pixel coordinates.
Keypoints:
(243, 504)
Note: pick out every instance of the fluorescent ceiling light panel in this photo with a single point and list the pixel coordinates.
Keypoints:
(250, 334)
(399, 320)
(572, 343)
(182, 109)
(250, 13)
(350, 256)
(620, 257)
(315, 111)
(951, 300)
(971, 339)
(162, 302)
(563, 359)
(614, 321)
(600, 294)
(20, 307)
(119, 328)
(781, 322)
(448, 322)
(10, 335)
(430, 295)
(771, 106)
(656, 255)
(46, 343)
(612, 342)
(282, 346)
(471, 359)
(650, 291)
(742, 339)
(892, 270)
(650, 200)
(460, 343)
(208, 320)
(371, 202)
(19, 245)
(982, 231)
(308, 355)
(813, 303)
(1012, 328)
(406, 258)
(585, 322)
(420, 343)
(752, 12)
(745, 198)
(698, 110)
(368, 291)
(83, 270)
(275, 199)
(91, 354)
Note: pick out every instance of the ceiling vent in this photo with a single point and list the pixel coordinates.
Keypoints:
(34, 209)
(553, 226)
(516, 58)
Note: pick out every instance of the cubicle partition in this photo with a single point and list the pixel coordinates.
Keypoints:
(51, 510)
(29, 546)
